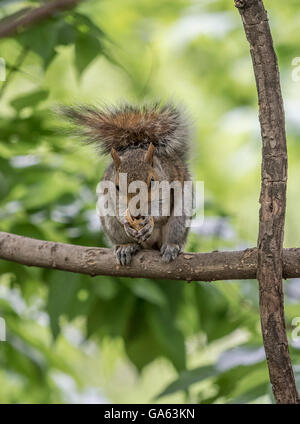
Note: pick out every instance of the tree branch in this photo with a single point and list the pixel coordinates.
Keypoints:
(272, 199)
(147, 264)
(9, 26)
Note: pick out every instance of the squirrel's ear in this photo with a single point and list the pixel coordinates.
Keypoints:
(149, 154)
(115, 157)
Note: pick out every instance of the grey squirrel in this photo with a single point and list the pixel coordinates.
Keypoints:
(149, 144)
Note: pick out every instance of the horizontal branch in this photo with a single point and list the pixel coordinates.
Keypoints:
(9, 26)
(93, 261)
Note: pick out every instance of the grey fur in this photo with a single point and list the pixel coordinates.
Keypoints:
(130, 130)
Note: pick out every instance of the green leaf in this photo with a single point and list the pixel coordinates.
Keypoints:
(29, 100)
(252, 394)
(141, 345)
(237, 380)
(221, 322)
(62, 291)
(87, 48)
(105, 287)
(29, 230)
(41, 39)
(66, 34)
(252, 385)
(24, 359)
(110, 317)
(49, 189)
(167, 335)
(148, 290)
(188, 378)
(84, 24)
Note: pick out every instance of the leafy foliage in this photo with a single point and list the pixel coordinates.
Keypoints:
(195, 342)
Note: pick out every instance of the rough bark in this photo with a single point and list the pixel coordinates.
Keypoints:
(148, 264)
(272, 199)
(10, 26)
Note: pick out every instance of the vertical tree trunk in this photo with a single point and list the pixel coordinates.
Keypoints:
(272, 199)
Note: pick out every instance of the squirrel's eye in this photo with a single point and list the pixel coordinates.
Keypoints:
(152, 180)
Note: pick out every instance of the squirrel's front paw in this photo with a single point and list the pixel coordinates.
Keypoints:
(169, 252)
(124, 252)
(143, 233)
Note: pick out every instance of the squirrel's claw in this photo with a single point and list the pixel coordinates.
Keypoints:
(145, 232)
(169, 252)
(140, 235)
(124, 252)
(131, 232)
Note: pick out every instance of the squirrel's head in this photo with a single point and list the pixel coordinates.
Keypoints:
(138, 166)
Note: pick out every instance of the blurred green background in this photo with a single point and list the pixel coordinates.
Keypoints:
(76, 339)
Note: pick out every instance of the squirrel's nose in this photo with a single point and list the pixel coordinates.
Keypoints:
(134, 209)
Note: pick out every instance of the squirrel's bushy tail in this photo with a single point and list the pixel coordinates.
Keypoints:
(127, 127)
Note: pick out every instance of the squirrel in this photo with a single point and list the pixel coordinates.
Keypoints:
(148, 144)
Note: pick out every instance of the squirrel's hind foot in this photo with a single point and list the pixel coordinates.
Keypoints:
(124, 252)
(169, 252)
